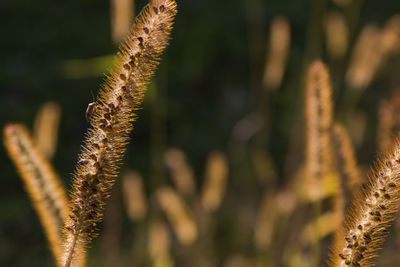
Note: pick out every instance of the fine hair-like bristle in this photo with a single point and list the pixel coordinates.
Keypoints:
(43, 185)
(370, 214)
(111, 120)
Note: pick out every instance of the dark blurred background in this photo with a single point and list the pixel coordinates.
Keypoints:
(210, 81)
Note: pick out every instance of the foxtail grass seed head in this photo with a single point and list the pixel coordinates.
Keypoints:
(279, 47)
(318, 116)
(111, 122)
(371, 213)
(42, 184)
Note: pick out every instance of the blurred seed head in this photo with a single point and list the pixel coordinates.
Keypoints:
(45, 128)
(159, 241)
(336, 31)
(134, 195)
(181, 173)
(279, 46)
(178, 215)
(216, 176)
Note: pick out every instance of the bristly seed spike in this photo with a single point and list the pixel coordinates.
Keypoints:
(111, 121)
(371, 213)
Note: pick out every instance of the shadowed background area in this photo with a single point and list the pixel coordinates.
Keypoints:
(226, 101)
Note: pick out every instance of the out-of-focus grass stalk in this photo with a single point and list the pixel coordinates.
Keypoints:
(158, 131)
(279, 48)
(215, 183)
(84, 68)
(159, 245)
(318, 116)
(42, 184)
(134, 195)
(178, 215)
(318, 151)
(372, 49)
(336, 35)
(323, 226)
(45, 128)
(122, 13)
(346, 164)
(181, 173)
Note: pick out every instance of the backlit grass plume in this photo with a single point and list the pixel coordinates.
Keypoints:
(111, 120)
(371, 213)
(318, 120)
(43, 185)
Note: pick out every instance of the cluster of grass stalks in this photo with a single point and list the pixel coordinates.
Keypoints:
(325, 213)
